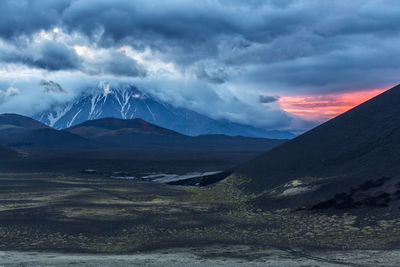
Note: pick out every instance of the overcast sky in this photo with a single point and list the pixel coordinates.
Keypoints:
(278, 64)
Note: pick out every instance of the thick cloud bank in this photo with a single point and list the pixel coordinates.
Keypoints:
(240, 57)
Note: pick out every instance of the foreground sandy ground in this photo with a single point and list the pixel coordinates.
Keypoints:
(210, 256)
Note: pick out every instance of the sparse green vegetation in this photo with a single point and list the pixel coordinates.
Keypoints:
(107, 216)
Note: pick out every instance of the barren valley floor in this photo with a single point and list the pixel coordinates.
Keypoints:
(210, 256)
(156, 223)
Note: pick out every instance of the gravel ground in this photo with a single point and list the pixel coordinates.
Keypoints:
(210, 256)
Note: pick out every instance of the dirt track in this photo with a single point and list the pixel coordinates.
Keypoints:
(210, 256)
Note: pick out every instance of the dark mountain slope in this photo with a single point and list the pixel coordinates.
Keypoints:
(45, 138)
(360, 145)
(111, 133)
(17, 131)
(15, 124)
(130, 146)
(118, 127)
(139, 134)
(208, 142)
(6, 154)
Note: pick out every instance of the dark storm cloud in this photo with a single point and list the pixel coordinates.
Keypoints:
(47, 55)
(283, 41)
(52, 87)
(172, 20)
(114, 63)
(216, 75)
(24, 17)
(293, 46)
(265, 99)
(53, 56)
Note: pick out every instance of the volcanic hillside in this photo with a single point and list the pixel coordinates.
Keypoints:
(116, 127)
(358, 149)
(15, 124)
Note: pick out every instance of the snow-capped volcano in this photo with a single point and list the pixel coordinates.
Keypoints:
(128, 102)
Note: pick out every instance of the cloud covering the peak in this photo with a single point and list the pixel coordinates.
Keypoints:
(230, 59)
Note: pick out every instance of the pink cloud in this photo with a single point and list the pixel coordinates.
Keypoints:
(323, 107)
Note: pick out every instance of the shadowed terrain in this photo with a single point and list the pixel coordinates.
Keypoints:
(133, 147)
(71, 214)
(335, 187)
(118, 134)
(117, 127)
(16, 124)
(340, 156)
(6, 155)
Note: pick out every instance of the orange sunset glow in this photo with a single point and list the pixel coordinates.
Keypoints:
(322, 107)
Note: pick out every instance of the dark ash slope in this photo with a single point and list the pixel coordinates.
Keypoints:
(16, 124)
(360, 145)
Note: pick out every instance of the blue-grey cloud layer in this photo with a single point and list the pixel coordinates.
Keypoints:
(304, 43)
(274, 47)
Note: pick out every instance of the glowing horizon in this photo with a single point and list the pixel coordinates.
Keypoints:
(324, 107)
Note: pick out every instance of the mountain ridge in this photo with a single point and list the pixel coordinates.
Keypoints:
(121, 134)
(12, 123)
(129, 102)
(356, 147)
(107, 126)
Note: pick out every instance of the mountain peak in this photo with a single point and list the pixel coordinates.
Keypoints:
(128, 102)
(105, 89)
